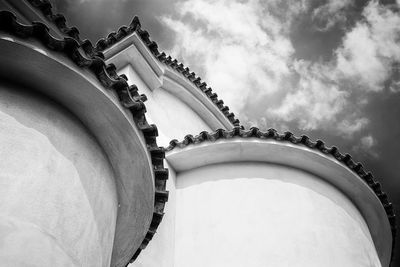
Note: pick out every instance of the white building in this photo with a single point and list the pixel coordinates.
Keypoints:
(83, 180)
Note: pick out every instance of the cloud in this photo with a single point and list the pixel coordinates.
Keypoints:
(235, 49)
(366, 146)
(371, 48)
(330, 14)
(395, 87)
(314, 100)
(367, 141)
(243, 49)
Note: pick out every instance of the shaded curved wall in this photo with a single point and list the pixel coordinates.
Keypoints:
(174, 119)
(58, 202)
(259, 214)
(172, 116)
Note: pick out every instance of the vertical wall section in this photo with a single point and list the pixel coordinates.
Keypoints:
(252, 214)
(58, 201)
(252, 198)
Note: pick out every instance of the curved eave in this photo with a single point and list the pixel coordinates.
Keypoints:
(285, 149)
(132, 51)
(115, 39)
(103, 101)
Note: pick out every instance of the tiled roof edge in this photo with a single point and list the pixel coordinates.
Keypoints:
(272, 134)
(135, 26)
(114, 37)
(58, 20)
(108, 77)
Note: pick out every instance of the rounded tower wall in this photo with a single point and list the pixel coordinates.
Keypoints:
(252, 214)
(248, 198)
(58, 192)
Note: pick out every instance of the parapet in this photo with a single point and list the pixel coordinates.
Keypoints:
(332, 208)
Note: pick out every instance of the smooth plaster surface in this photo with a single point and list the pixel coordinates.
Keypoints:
(103, 115)
(156, 75)
(173, 227)
(324, 166)
(256, 214)
(58, 200)
(174, 118)
(160, 252)
(147, 77)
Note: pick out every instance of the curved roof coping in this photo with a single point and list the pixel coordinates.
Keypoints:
(124, 31)
(92, 63)
(135, 27)
(340, 170)
(131, 51)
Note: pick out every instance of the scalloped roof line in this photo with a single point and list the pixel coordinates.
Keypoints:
(128, 95)
(135, 26)
(272, 134)
(114, 37)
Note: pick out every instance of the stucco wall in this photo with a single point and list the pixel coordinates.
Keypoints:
(174, 119)
(160, 252)
(58, 203)
(256, 214)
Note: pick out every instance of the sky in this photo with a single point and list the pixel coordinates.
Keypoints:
(328, 69)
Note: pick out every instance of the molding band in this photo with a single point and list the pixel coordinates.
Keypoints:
(88, 59)
(317, 146)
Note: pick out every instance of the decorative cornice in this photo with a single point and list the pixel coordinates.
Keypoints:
(114, 37)
(81, 54)
(58, 19)
(135, 26)
(303, 140)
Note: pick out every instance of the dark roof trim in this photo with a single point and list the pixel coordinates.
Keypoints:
(303, 140)
(59, 20)
(114, 37)
(135, 26)
(128, 95)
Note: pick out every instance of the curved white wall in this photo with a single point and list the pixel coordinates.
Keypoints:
(174, 119)
(258, 214)
(248, 214)
(160, 252)
(58, 202)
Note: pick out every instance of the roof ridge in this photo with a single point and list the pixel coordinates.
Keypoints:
(272, 134)
(114, 37)
(59, 20)
(135, 26)
(106, 74)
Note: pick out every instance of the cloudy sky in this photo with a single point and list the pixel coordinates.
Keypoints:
(329, 69)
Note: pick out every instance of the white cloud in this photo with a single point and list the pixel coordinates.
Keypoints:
(315, 101)
(367, 142)
(395, 87)
(351, 125)
(240, 49)
(366, 146)
(370, 48)
(358, 58)
(331, 13)
(244, 50)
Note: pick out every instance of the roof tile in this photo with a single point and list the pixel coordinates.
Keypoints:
(83, 55)
(254, 132)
